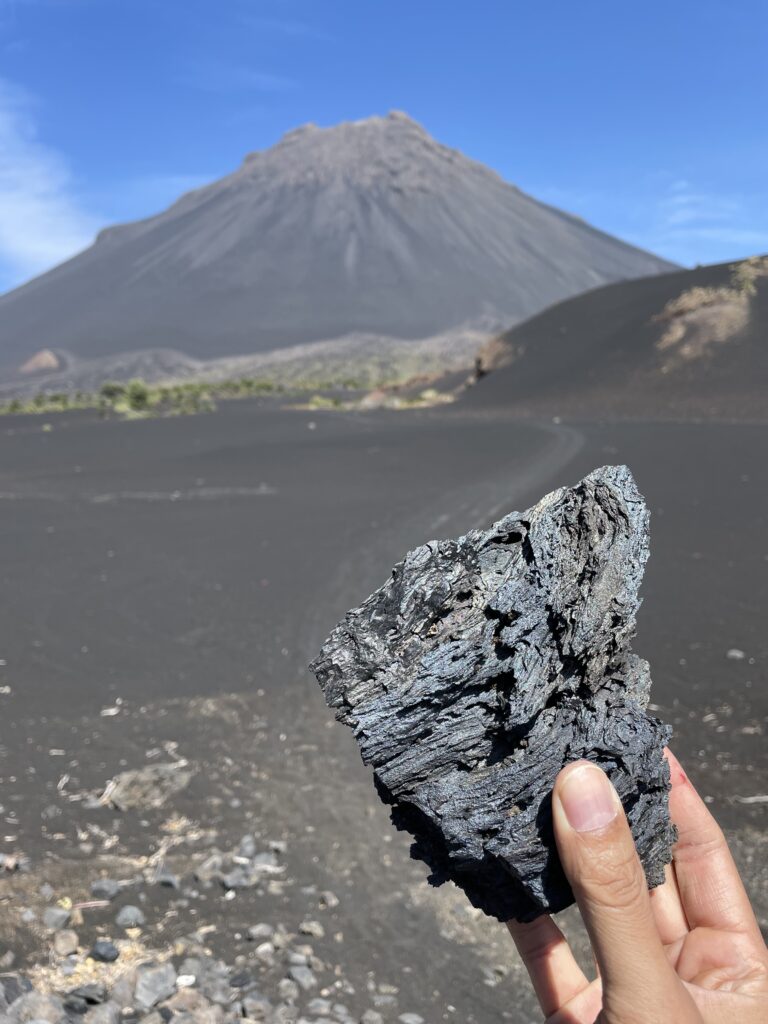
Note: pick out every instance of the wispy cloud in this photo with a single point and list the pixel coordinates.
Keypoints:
(41, 220)
(217, 76)
(701, 224)
(677, 218)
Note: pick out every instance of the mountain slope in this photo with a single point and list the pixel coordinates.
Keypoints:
(369, 226)
(690, 343)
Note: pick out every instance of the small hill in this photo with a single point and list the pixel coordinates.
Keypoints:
(370, 227)
(687, 344)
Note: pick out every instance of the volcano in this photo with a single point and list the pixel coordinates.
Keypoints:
(370, 226)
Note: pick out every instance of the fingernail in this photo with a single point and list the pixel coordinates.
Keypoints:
(588, 798)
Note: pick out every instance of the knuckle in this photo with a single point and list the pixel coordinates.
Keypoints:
(701, 845)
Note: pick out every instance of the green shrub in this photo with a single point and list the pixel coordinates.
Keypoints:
(112, 390)
(137, 394)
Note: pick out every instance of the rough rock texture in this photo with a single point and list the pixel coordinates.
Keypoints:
(487, 663)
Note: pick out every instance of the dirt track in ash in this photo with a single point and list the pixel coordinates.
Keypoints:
(166, 582)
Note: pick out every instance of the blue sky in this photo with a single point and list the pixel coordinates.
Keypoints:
(649, 120)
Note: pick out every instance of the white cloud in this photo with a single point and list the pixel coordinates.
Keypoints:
(700, 225)
(677, 218)
(41, 221)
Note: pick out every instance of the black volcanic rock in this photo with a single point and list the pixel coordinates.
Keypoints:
(370, 226)
(486, 664)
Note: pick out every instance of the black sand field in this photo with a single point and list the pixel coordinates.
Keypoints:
(165, 584)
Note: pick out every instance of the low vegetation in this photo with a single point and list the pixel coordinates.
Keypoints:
(138, 400)
(743, 285)
(702, 318)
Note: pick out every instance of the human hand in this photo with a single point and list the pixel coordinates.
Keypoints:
(688, 952)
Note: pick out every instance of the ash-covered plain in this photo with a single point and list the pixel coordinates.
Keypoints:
(486, 664)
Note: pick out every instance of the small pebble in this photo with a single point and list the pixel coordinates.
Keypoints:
(93, 993)
(303, 976)
(55, 918)
(65, 942)
(130, 917)
(104, 951)
(185, 981)
(313, 928)
(319, 1007)
(288, 989)
(167, 879)
(153, 984)
(105, 888)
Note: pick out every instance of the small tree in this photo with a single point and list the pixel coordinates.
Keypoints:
(137, 395)
(111, 390)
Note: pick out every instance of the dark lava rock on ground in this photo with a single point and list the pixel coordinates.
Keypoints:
(485, 665)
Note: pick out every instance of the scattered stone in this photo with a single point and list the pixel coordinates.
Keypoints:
(260, 931)
(410, 1018)
(153, 984)
(319, 1007)
(107, 1013)
(105, 888)
(313, 928)
(185, 981)
(37, 1006)
(288, 990)
(13, 986)
(371, 1017)
(123, 988)
(383, 1000)
(247, 847)
(76, 1004)
(155, 1017)
(104, 951)
(256, 1006)
(147, 787)
(166, 878)
(93, 993)
(328, 900)
(285, 1014)
(55, 918)
(130, 917)
(483, 666)
(186, 1000)
(65, 942)
(734, 654)
(303, 976)
(241, 979)
(14, 862)
(7, 960)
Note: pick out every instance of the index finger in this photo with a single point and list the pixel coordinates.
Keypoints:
(551, 965)
(711, 889)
